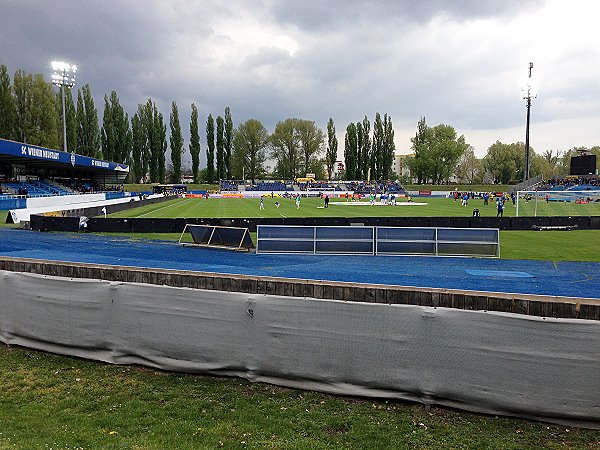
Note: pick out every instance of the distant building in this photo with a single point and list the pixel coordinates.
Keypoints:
(338, 170)
(400, 166)
(187, 178)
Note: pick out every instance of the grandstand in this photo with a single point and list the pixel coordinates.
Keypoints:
(275, 186)
(357, 187)
(572, 183)
(41, 171)
(36, 177)
(35, 188)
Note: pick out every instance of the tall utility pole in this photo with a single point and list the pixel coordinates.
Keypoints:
(64, 77)
(527, 96)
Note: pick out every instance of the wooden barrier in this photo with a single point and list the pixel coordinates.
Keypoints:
(533, 305)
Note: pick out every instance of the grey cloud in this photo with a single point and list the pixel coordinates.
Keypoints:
(335, 13)
(267, 56)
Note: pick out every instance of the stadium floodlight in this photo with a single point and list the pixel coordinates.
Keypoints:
(527, 93)
(64, 77)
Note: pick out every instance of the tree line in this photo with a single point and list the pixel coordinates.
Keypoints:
(31, 111)
(441, 156)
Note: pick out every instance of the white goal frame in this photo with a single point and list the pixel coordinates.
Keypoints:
(540, 196)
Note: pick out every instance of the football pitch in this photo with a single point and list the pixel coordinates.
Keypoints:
(314, 207)
(309, 207)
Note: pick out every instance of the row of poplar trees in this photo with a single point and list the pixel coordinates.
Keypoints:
(31, 112)
(366, 157)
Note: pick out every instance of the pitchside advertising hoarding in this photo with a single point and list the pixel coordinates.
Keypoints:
(33, 152)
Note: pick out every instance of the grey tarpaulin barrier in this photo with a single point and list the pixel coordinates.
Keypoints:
(490, 362)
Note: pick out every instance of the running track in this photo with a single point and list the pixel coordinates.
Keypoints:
(569, 279)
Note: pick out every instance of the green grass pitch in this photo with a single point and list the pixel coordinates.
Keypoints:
(309, 207)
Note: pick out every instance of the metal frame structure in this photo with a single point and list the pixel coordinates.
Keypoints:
(389, 241)
(245, 236)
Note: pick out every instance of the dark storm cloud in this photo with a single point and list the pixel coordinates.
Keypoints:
(273, 59)
(339, 13)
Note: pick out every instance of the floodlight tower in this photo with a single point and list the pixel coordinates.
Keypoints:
(64, 77)
(527, 94)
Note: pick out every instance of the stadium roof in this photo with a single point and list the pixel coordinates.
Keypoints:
(12, 152)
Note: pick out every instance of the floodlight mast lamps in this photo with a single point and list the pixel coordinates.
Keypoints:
(64, 77)
(527, 95)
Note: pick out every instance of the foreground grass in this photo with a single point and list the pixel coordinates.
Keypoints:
(56, 402)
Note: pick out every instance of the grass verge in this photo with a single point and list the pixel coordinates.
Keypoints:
(50, 401)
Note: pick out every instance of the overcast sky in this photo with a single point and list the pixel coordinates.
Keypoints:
(458, 62)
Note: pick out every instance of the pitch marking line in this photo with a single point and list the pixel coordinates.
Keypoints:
(162, 207)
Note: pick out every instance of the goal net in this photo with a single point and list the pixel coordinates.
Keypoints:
(558, 203)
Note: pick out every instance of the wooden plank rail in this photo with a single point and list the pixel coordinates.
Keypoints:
(525, 304)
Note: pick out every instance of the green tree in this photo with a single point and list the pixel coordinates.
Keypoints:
(139, 148)
(547, 164)
(45, 116)
(8, 113)
(310, 139)
(437, 151)
(504, 162)
(37, 117)
(115, 134)
(364, 151)
(71, 120)
(176, 141)
(446, 149)
(357, 170)
(332, 148)
(388, 147)
(221, 169)
(228, 142)
(23, 92)
(195, 143)
(351, 151)
(210, 149)
(250, 142)
(420, 164)
(155, 131)
(285, 149)
(88, 130)
(161, 149)
(470, 168)
(377, 149)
